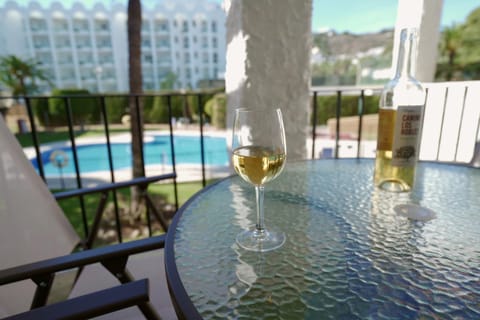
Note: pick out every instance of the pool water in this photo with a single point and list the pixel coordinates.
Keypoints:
(94, 157)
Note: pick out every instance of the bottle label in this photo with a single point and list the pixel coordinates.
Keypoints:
(405, 139)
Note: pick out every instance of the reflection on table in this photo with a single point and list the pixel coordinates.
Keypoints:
(348, 253)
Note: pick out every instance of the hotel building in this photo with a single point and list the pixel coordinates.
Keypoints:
(85, 45)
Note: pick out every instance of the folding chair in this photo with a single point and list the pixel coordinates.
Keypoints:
(36, 241)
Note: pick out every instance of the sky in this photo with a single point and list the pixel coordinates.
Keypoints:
(356, 16)
(374, 15)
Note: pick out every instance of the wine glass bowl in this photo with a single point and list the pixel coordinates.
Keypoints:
(258, 155)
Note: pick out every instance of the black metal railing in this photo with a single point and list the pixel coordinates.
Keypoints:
(326, 103)
(358, 95)
(113, 186)
(438, 100)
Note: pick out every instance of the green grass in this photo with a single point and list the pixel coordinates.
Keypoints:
(72, 208)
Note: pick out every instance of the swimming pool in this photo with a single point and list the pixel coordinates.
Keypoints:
(94, 157)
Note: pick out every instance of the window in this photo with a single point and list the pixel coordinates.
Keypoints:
(204, 26)
(204, 42)
(145, 26)
(214, 42)
(185, 26)
(146, 42)
(161, 25)
(186, 57)
(214, 26)
(147, 57)
(38, 24)
(215, 57)
(80, 25)
(185, 43)
(163, 43)
(205, 57)
(101, 25)
(60, 25)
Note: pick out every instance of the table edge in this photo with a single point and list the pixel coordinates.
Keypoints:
(183, 305)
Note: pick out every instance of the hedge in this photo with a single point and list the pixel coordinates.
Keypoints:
(327, 106)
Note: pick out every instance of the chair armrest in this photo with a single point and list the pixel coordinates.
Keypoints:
(142, 181)
(91, 305)
(78, 259)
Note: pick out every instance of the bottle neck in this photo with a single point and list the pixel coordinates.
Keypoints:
(406, 54)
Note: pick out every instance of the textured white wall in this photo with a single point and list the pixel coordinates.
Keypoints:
(268, 62)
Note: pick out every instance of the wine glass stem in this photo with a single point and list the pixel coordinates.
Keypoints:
(259, 191)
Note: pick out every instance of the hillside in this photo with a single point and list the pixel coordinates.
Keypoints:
(334, 44)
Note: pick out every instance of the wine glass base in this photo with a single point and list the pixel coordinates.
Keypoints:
(261, 241)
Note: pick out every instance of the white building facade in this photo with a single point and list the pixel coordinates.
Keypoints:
(86, 47)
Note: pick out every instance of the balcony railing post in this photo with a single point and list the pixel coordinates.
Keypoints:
(337, 117)
(202, 143)
(34, 133)
(361, 104)
(140, 132)
(68, 107)
(110, 164)
(172, 149)
(314, 123)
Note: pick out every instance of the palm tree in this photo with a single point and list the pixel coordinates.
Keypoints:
(450, 44)
(134, 25)
(20, 76)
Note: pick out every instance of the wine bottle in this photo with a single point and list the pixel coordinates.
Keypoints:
(400, 121)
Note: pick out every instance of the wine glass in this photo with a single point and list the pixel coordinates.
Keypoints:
(258, 154)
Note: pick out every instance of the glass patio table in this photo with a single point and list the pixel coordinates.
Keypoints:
(349, 253)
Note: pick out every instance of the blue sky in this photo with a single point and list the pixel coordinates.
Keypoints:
(374, 15)
(357, 16)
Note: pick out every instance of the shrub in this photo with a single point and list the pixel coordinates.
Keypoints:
(116, 107)
(327, 106)
(215, 108)
(53, 112)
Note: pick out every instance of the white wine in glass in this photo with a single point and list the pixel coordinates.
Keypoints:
(258, 154)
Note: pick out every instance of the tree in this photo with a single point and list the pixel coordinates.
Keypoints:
(134, 26)
(470, 54)
(168, 82)
(450, 44)
(20, 76)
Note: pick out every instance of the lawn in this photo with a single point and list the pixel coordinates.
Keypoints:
(159, 192)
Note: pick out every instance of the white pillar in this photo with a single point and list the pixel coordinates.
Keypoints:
(425, 15)
(268, 62)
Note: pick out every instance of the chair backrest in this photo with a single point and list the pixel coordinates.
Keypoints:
(32, 225)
